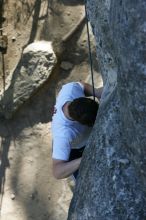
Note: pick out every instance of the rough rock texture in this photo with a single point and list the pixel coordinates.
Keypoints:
(34, 68)
(112, 180)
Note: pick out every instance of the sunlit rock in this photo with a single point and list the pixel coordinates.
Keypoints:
(34, 69)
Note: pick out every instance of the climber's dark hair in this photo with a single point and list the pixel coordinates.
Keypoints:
(83, 110)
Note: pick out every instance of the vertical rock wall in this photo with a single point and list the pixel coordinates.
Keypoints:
(112, 179)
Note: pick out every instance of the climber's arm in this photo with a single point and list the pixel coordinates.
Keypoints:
(63, 169)
(88, 89)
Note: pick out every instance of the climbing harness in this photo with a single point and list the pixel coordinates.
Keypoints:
(90, 53)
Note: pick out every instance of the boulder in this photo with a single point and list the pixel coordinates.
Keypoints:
(34, 69)
(112, 181)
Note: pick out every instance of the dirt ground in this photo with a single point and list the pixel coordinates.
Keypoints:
(28, 189)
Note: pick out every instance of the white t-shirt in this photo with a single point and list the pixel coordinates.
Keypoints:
(67, 134)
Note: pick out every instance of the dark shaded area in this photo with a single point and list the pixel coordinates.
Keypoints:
(74, 154)
(36, 9)
(38, 109)
(72, 2)
(4, 161)
(71, 54)
(1, 12)
(5, 139)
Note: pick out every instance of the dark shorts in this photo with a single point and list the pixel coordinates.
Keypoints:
(74, 154)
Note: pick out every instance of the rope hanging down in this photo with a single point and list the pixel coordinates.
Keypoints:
(90, 54)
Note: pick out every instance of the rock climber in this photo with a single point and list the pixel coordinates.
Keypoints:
(73, 118)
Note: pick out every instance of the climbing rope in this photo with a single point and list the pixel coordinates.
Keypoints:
(90, 53)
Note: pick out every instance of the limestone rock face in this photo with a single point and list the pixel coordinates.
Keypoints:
(112, 178)
(34, 68)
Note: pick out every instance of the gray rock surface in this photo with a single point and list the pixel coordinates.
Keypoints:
(112, 180)
(66, 65)
(33, 70)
